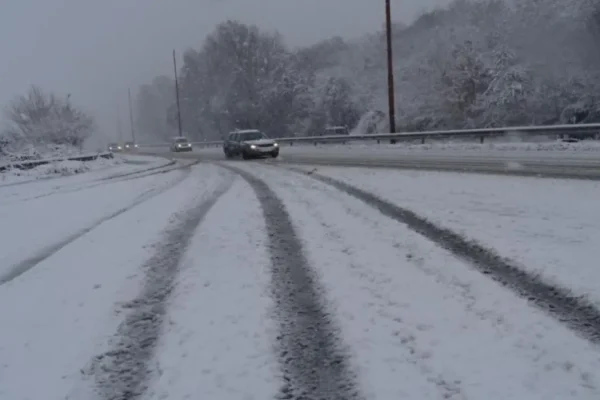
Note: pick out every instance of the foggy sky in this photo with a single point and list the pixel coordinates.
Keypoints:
(96, 49)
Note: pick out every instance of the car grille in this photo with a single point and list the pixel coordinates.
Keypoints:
(265, 145)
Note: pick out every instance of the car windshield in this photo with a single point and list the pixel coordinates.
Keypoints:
(181, 140)
(252, 136)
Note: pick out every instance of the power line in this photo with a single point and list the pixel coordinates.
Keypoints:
(177, 94)
(390, 67)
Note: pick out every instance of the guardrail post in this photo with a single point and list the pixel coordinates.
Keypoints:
(423, 140)
(481, 139)
(392, 141)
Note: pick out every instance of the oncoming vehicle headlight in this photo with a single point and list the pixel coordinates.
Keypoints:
(275, 145)
(179, 145)
(252, 146)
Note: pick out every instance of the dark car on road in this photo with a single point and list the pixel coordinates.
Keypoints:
(115, 147)
(180, 143)
(250, 143)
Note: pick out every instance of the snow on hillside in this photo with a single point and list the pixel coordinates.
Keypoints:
(482, 63)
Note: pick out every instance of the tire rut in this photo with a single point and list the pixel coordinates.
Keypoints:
(152, 169)
(417, 354)
(573, 311)
(123, 372)
(29, 263)
(311, 357)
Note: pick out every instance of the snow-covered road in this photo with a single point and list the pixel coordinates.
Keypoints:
(573, 161)
(548, 226)
(256, 281)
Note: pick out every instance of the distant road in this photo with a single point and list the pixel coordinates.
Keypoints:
(563, 164)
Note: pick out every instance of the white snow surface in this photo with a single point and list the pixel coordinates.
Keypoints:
(548, 226)
(419, 323)
(62, 312)
(218, 340)
(34, 225)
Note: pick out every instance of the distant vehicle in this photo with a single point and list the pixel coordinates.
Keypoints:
(336, 130)
(131, 146)
(115, 147)
(180, 143)
(250, 143)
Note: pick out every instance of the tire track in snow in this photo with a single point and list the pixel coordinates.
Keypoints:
(29, 263)
(122, 372)
(312, 361)
(574, 311)
(129, 174)
(405, 338)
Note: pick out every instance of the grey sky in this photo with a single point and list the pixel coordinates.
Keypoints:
(97, 49)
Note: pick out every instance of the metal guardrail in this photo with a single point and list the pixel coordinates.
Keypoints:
(572, 130)
(23, 165)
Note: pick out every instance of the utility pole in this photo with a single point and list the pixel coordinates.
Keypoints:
(119, 130)
(177, 94)
(131, 116)
(390, 67)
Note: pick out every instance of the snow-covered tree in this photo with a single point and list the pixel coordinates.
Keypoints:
(241, 78)
(507, 93)
(41, 118)
(473, 63)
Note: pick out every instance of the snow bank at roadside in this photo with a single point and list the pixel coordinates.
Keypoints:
(38, 152)
(57, 169)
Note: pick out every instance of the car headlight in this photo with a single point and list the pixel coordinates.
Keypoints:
(252, 146)
(275, 145)
(119, 147)
(178, 145)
